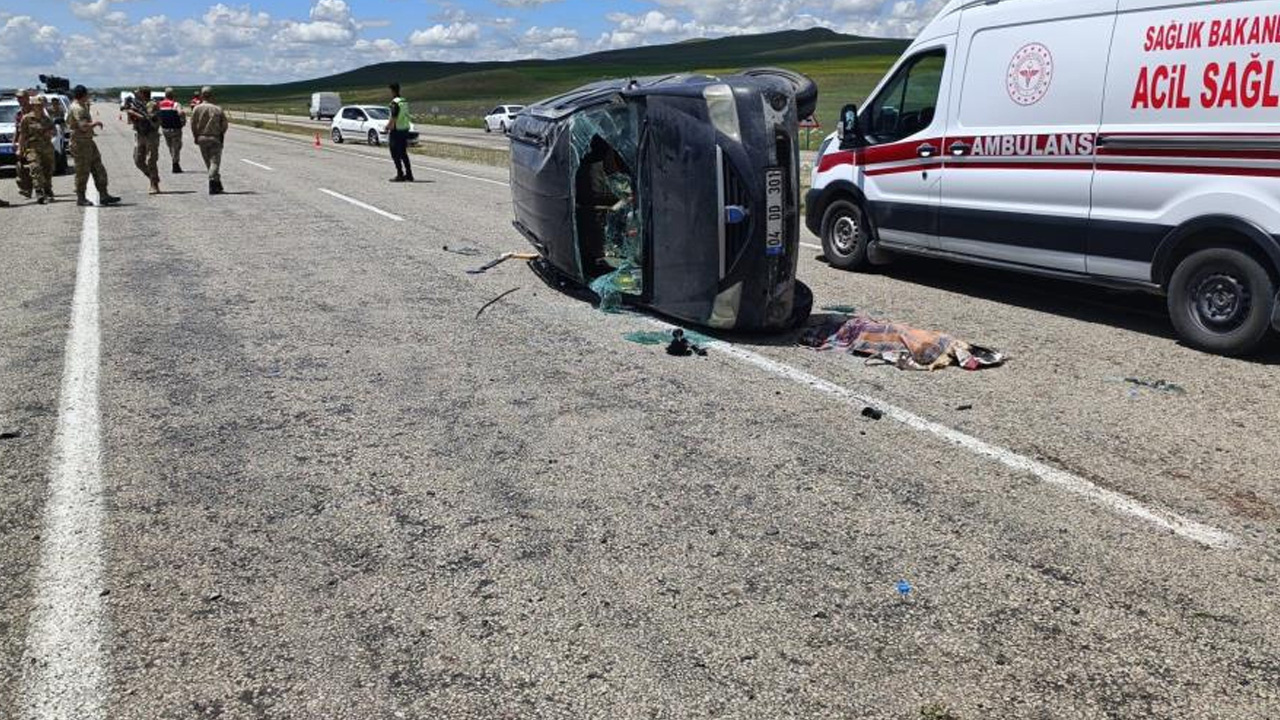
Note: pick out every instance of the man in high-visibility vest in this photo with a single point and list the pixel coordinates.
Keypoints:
(172, 120)
(398, 128)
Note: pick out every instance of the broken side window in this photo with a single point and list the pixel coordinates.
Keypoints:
(608, 229)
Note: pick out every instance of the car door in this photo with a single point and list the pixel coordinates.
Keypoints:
(1022, 131)
(901, 162)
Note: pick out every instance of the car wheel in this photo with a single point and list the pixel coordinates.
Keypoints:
(803, 306)
(805, 89)
(487, 127)
(337, 136)
(503, 128)
(373, 138)
(1220, 301)
(845, 236)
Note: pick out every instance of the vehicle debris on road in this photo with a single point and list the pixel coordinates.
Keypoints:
(1137, 385)
(468, 251)
(681, 347)
(501, 259)
(902, 346)
(489, 304)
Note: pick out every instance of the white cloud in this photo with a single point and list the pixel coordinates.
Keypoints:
(331, 24)
(456, 34)
(26, 43)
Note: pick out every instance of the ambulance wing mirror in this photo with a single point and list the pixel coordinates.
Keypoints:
(849, 127)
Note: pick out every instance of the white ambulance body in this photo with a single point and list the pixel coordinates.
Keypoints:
(1122, 142)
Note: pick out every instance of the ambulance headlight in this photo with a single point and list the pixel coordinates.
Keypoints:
(723, 107)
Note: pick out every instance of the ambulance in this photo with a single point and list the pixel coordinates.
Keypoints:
(1124, 143)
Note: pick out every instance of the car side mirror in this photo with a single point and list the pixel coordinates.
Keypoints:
(849, 127)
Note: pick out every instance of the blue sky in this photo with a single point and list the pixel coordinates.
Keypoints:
(109, 42)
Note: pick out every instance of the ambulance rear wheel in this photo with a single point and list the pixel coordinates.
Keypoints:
(845, 236)
(1221, 301)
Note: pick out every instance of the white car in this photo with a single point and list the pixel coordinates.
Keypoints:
(365, 123)
(9, 130)
(501, 118)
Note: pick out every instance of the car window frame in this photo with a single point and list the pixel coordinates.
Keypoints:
(906, 68)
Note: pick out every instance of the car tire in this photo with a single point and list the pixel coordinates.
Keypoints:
(373, 138)
(503, 128)
(487, 127)
(846, 235)
(1221, 301)
(337, 136)
(803, 306)
(805, 89)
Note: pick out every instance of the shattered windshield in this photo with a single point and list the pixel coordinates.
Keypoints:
(608, 230)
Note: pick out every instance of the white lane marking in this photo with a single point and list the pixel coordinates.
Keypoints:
(366, 156)
(811, 246)
(64, 672)
(257, 165)
(1109, 499)
(364, 205)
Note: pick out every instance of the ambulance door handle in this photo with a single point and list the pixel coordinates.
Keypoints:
(960, 149)
(926, 150)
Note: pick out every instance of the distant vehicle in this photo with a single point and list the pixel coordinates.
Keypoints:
(677, 193)
(365, 123)
(54, 104)
(324, 105)
(501, 118)
(1076, 140)
(8, 131)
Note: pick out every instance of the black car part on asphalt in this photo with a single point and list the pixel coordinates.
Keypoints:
(677, 193)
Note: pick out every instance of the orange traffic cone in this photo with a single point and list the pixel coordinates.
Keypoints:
(317, 140)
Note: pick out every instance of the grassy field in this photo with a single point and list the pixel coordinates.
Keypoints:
(845, 67)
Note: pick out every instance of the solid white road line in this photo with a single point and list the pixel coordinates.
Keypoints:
(359, 204)
(64, 672)
(1109, 499)
(257, 165)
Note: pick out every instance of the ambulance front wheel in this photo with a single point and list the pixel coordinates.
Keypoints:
(845, 236)
(1220, 301)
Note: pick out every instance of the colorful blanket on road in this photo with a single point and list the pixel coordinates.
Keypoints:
(902, 346)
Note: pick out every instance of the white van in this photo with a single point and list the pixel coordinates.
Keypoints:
(324, 105)
(1132, 143)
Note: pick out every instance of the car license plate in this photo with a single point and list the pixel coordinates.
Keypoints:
(774, 192)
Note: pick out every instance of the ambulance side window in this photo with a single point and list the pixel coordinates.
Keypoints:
(909, 103)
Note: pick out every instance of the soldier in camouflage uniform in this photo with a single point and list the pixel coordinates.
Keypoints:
(85, 150)
(23, 172)
(145, 116)
(36, 146)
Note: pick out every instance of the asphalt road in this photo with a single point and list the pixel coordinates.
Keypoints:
(470, 137)
(327, 489)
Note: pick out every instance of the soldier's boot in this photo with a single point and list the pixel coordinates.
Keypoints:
(82, 201)
(25, 193)
(106, 199)
(3, 203)
(155, 187)
(177, 169)
(41, 199)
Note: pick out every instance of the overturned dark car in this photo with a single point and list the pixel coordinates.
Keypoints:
(677, 193)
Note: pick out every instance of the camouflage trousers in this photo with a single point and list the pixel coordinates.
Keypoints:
(40, 165)
(89, 162)
(173, 138)
(24, 176)
(146, 154)
(211, 151)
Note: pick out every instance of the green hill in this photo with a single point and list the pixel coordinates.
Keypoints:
(845, 66)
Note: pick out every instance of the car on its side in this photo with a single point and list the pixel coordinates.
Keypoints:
(679, 194)
(365, 123)
(501, 118)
